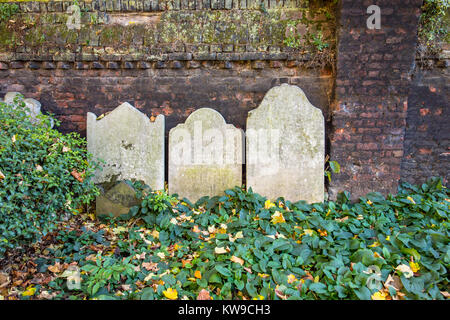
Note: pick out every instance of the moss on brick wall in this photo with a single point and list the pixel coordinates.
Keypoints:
(247, 26)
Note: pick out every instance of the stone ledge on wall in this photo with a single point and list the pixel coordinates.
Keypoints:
(127, 32)
(157, 5)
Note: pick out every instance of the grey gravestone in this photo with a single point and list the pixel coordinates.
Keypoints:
(130, 144)
(33, 105)
(205, 156)
(285, 146)
(116, 201)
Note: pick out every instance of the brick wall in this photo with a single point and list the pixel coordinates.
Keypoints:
(427, 137)
(173, 88)
(167, 57)
(386, 119)
(374, 68)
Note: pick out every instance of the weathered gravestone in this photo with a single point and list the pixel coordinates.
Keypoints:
(205, 156)
(33, 105)
(285, 146)
(118, 200)
(130, 144)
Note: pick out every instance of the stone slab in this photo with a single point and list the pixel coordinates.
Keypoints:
(116, 201)
(130, 144)
(205, 156)
(285, 146)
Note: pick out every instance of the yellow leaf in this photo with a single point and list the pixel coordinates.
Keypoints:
(237, 260)
(309, 232)
(377, 255)
(29, 291)
(263, 275)
(171, 294)
(316, 279)
(222, 230)
(198, 274)
(268, 204)
(375, 244)
(259, 297)
(369, 202)
(155, 234)
(161, 255)
(411, 199)
(239, 235)
(388, 238)
(414, 266)
(406, 270)
(379, 295)
(291, 279)
(119, 229)
(277, 217)
(220, 250)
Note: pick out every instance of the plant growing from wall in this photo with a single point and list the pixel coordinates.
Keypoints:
(7, 10)
(307, 34)
(433, 26)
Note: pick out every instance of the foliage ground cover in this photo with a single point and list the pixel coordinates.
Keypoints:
(242, 246)
(44, 175)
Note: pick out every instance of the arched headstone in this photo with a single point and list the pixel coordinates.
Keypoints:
(205, 156)
(285, 146)
(130, 144)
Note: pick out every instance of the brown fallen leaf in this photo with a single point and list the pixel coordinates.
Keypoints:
(126, 287)
(394, 282)
(280, 294)
(91, 257)
(308, 276)
(46, 295)
(4, 280)
(150, 266)
(152, 119)
(445, 294)
(185, 262)
(2, 176)
(248, 270)
(77, 175)
(56, 268)
(204, 295)
(237, 260)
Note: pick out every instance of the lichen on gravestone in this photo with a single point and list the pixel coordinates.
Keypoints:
(205, 156)
(131, 146)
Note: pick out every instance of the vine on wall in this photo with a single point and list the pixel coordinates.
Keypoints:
(314, 32)
(433, 27)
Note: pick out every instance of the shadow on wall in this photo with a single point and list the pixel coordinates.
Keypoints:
(427, 137)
